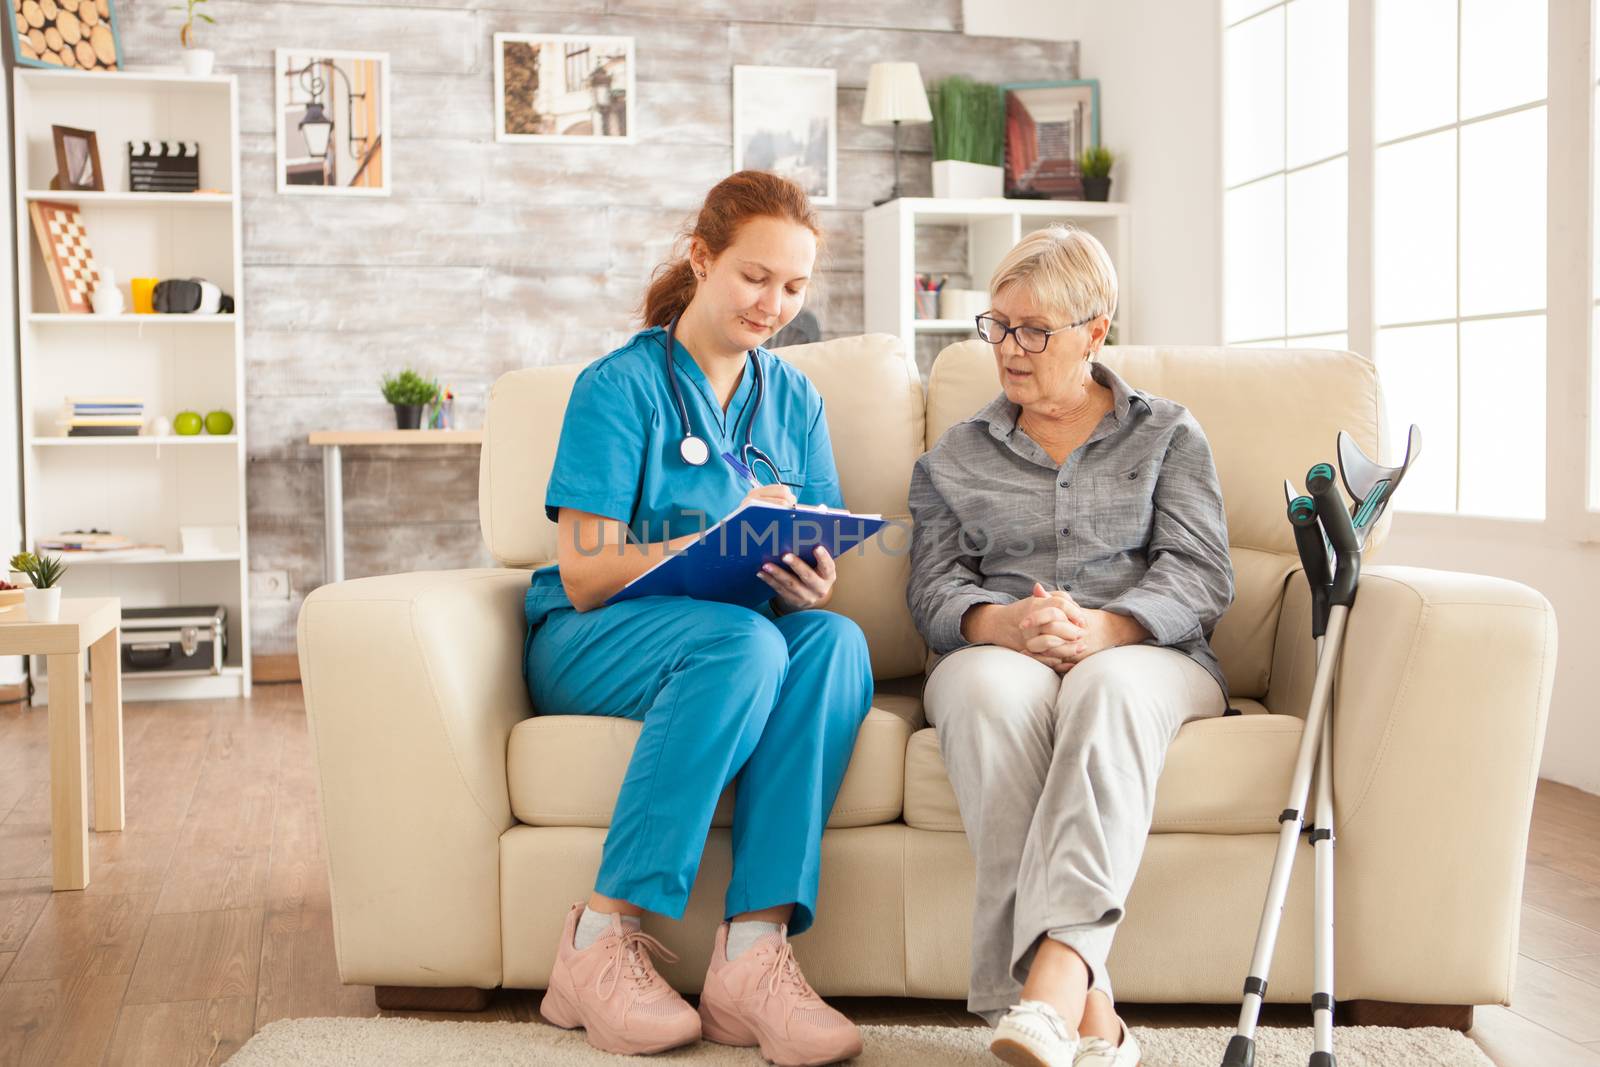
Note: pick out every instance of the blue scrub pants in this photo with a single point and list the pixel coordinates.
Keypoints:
(722, 691)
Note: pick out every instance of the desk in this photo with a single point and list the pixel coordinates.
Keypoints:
(331, 441)
(86, 625)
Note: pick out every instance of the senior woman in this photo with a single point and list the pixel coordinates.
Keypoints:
(1069, 561)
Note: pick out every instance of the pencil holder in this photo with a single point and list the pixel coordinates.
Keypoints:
(927, 303)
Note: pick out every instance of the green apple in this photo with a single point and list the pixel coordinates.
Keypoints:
(186, 423)
(219, 423)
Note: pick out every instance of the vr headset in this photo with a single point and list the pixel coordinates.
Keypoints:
(183, 296)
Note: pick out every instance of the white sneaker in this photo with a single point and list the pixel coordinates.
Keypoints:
(1033, 1034)
(1098, 1052)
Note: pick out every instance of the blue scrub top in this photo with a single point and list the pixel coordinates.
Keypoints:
(618, 455)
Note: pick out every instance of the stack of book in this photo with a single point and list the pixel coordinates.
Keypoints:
(102, 416)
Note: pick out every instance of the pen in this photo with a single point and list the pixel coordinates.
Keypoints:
(745, 474)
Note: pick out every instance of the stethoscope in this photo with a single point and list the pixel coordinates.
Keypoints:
(694, 449)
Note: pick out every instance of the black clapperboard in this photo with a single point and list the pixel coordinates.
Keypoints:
(163, 166)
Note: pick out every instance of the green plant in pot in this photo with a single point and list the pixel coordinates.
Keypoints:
(968, 139)
(409, 392)
(43, 600)
(1096, 166)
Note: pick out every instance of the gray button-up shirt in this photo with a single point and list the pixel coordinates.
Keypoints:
(1131, 523)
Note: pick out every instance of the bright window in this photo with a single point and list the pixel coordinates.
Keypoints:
(1459, 253)
(1285, 172)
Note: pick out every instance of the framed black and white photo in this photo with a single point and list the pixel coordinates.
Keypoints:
(77, 159)
(563, 87)
(333, 122)
(785, 120)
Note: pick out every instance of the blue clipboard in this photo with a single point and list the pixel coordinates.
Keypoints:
(725, 563)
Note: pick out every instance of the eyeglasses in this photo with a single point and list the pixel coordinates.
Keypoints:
(1029, 338)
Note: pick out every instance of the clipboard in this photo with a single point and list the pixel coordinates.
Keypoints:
(725, 563)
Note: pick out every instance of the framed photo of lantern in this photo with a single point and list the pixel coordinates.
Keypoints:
(564, 88)
(333, 122)
(66, 34)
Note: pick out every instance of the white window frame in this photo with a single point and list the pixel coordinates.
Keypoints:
(1569, 293)
(1287, 339)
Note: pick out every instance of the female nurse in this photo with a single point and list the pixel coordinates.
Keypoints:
(773, 695)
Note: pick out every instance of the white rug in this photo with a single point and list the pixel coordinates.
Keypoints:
(399, 1042)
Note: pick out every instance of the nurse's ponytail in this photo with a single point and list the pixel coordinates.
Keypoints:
(744, 195)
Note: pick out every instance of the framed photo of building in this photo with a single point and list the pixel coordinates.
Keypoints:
(786, 120)
(1048, 125)
(568, 88)
(333, 122)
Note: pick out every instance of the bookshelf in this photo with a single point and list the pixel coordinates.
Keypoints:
(147, 486)
(893, 232)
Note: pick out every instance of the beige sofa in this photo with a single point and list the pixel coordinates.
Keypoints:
(459, 827)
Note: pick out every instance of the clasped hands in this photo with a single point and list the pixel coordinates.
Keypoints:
(1056, 630)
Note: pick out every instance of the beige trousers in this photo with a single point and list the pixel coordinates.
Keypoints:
(1056, 776)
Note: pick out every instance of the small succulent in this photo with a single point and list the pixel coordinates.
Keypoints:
(45, 571)
(186, 34)
(409, 387)
(1096, 162)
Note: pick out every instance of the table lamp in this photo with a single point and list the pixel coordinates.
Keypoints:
(895, 95)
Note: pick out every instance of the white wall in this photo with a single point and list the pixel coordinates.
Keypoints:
(1161, 105)
(1159, 69)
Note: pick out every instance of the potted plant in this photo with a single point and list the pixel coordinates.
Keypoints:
(968, 138)
(196, 61)
(409, 392)
(43, 600)
(1096, 165)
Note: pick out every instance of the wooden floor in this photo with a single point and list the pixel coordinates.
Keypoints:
(208, 916)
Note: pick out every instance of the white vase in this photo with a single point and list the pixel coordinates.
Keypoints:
(198, 61)
(107, 298)
(967, 181)
(44, 605)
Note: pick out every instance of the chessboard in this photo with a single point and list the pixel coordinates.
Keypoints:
(68, 260)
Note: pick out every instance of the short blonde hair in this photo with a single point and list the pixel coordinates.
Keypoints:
(1066, 270)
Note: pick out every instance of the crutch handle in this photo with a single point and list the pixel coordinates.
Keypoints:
(1341, 534)
(1313, 558)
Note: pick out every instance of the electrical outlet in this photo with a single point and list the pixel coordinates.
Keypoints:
(269, 585)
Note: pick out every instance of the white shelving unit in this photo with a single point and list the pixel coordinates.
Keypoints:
(145, 487)
(993, 226)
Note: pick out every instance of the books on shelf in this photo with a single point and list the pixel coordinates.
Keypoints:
(101, 416)
(85, 541)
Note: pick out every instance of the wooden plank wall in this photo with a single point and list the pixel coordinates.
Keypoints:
(489, 257)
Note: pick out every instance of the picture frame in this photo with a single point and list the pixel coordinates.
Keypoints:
(1048, 125)
(786, 120)
(86, 38)
(564, 88)
(333, 122)
(77, 160)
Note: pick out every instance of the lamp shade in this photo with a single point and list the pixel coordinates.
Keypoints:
(895, 94)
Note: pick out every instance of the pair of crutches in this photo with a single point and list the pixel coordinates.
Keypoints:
(1322, 528)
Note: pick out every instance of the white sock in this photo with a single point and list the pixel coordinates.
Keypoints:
(742, 935)
(593, 924)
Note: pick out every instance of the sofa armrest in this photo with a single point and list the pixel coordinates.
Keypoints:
(1440, 705)
(412, 685)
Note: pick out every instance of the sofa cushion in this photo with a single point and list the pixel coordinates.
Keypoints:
(566, 770)
(1223, 775)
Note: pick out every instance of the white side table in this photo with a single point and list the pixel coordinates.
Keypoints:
(333, 478)
(88, 625)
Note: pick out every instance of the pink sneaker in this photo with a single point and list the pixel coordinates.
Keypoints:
(761, 998)
(613, 991)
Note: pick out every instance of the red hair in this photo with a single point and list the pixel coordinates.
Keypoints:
(735, 200)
